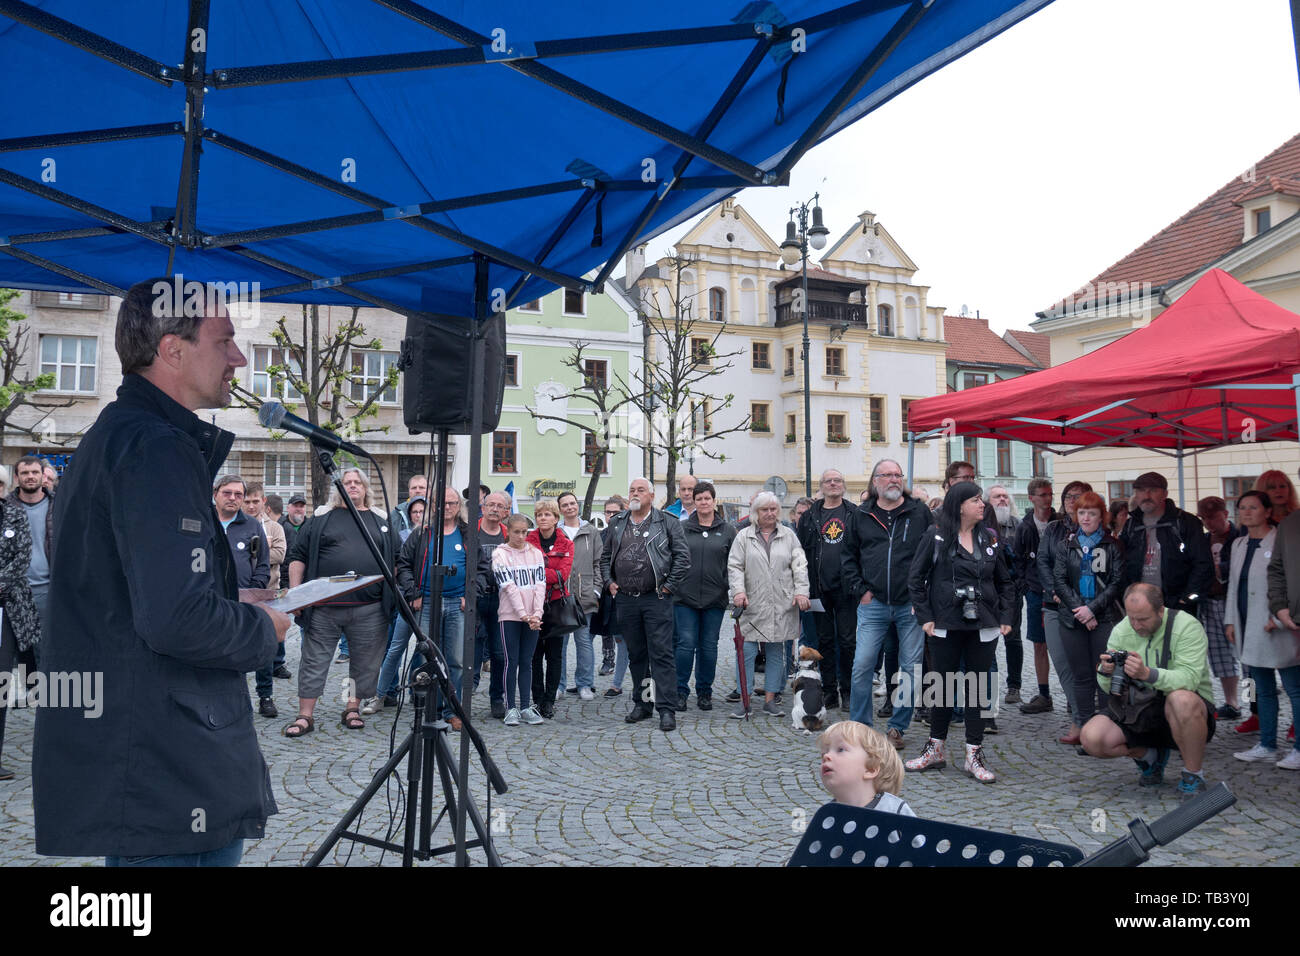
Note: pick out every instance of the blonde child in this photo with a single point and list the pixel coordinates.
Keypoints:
(860, 768)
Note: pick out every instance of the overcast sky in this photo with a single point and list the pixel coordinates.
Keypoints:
(1021, 171)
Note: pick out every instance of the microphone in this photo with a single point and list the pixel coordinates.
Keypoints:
(275, 415)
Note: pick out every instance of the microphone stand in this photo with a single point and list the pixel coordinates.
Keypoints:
(432, 750)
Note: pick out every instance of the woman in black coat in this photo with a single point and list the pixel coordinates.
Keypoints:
(1088, 578)
(964, 598)
(22, 626)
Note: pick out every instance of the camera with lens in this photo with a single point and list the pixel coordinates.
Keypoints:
(1118, 679)
(969, 608)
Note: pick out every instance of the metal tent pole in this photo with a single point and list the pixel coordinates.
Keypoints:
(911, 459)
(1182, 496)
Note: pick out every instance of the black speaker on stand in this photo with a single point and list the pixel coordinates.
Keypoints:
(435, 364)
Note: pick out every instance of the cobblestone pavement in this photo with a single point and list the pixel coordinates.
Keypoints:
(586, 788)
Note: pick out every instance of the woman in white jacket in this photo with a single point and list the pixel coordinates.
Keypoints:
(767, 574)
(1265, 644)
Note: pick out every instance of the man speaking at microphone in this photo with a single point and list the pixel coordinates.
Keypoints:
(143, 590)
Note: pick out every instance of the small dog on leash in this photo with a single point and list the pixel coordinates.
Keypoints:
(809, 709)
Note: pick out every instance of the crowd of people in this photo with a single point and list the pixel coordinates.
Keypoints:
(904, 600)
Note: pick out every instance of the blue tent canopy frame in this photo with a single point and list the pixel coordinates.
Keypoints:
(430, 105)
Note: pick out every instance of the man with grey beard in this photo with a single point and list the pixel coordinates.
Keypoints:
(999, 498)
(882, 538)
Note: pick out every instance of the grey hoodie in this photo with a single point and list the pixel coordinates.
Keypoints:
(585, 580)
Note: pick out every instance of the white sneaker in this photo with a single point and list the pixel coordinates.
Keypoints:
(529, 715)
(372, 705)
(512, 717)
(1257, 752)
(1290, 762)
(586, 694)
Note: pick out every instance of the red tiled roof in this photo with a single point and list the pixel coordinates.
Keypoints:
(971, 340)
(1037, 344)
(1285, 185)
(1201, 236)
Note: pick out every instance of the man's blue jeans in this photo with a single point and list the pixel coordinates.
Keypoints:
(584, 669)
(452, 644)
(873, 626)
(228, 855)
(695, 646)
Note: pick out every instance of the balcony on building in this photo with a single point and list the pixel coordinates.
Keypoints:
(833, 299)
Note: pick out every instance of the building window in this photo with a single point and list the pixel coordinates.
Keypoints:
(701, 352)
(595, 373)
(717, 305)
(1039, 459)
(284, 475)
(369, 370)
(906, 404)
(762, 355)
(789, 362)
(71, 360)
(877, 404)
(277, 386)
(505, 452)
(837, 428)
(592, 456)
(1263, 220)
(70, 300)
(575, 303)
(1004, 458)
(974, 379)
(1233, 488)
(760, 417)
(970, 450)
(1124, 489)
(791, 428)
(512, 370)
(835, 361)
(534, 306)
(884, 320)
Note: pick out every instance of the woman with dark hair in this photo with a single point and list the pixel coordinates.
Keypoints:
(1088, 577)
(1267, 646)
(1053, 535)
(1118, 516)
(963, 594)
(701, 598)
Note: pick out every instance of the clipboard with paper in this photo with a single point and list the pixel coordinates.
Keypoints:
(317, 591)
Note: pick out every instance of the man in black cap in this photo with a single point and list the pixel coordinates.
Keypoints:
(294, 518)
(1165, 546)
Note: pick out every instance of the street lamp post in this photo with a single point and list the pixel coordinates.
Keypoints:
(798, 237)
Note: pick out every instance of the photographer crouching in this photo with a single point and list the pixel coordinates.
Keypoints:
(1157, 680)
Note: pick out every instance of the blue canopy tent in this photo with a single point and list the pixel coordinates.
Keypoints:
(428, 158)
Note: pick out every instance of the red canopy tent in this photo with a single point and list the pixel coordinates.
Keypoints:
(1211, 370)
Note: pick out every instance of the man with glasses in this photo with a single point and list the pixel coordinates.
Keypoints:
(487, 645)
(1024, 569)
(883, 537)
(822, 530)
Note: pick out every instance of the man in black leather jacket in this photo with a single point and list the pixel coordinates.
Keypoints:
(644, 563)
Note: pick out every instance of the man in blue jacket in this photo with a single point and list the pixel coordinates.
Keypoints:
(143, 591)
(249, 548)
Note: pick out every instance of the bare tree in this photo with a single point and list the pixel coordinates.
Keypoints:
(681, 357)
(17, 390)
(605, 396)
(320, 368)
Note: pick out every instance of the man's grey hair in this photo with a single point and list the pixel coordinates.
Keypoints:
(828, 471)
(230, 480)
(988, 494)
(337, 502)
(647, 481)
(142, 322)
(763, 499)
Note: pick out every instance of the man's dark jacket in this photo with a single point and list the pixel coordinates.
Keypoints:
(1024, 554)
(252, 560)
(666, 546)
(143, 591)
(878, 554)
(411, 562)
(291, 532)
(809, 533)
(705, 584)
(1186, 563)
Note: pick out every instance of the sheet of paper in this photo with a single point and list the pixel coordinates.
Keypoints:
(321, 589)
(816, 605)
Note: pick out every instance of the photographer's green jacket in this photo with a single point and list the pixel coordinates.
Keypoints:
(1188, 669)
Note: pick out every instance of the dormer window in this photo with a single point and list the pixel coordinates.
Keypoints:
(1263, 219)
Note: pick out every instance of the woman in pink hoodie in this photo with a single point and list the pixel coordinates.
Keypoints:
(520, 571)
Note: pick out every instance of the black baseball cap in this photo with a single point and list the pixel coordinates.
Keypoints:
(297, 499)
